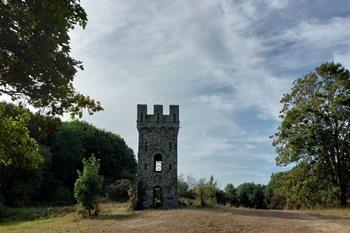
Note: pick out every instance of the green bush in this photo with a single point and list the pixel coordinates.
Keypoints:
(88, 186)
(120, 190)
(186, 202)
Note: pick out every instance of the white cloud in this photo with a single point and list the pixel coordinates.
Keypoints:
(206, 57)
(320, 34)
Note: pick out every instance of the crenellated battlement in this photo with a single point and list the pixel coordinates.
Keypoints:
(157, 119)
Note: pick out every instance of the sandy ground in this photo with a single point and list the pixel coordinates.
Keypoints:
(191, 220)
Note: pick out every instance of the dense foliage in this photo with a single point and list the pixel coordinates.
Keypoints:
(208, 194)
(35, 62)
(62, 146)
(17, 148)
(300, 187)
(88, 186)
(120, 190)
(315, 133)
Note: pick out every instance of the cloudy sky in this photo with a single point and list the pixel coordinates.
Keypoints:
(225, 62)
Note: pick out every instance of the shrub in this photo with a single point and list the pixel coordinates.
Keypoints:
(88, 186)
(186, 202)
(120, 190)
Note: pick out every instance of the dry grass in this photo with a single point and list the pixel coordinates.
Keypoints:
(118, 218)
(330, 212)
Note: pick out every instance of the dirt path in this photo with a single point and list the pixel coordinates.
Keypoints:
(192, 220)
(226, 220)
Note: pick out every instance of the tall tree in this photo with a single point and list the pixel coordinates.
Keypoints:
(315, 126)
(35, 62)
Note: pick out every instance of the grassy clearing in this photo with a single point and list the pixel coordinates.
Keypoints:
(59, 219)
(117, 217)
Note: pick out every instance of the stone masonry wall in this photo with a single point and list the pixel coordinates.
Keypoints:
(158, 135)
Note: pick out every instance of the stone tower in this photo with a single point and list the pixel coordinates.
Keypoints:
(157, 156)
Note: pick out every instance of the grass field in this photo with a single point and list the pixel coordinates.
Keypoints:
(117, 217)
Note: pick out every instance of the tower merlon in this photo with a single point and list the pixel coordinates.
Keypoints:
(141, 112)
(174, 112)
(158, 109)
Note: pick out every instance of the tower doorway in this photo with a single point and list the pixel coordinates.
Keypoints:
(157, 195)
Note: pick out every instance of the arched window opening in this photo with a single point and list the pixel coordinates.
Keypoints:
(170, 167)
(170, 146)
(158, 119)
(158, 163)
(145, 166)
(146, 146)
(174, 118)
(141, 117)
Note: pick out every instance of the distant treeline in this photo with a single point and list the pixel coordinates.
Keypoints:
(294, 189)
(63, 145)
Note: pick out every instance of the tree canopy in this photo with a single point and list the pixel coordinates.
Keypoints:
(315, 127)
(35, 62)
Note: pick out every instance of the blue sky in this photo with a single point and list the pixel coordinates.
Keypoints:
(225, 62)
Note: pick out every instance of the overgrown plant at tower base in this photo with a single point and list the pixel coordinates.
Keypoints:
(88, 187)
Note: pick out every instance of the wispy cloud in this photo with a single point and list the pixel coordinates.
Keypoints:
(227, 63)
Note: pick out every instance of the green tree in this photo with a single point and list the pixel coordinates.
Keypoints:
(258, 198)
(244, 192)
(35, 61)
(315, 127)
(182, 187)
(303, 188)
(17, 148)
(231, 195)
(205, 192)
(274, 198)
(88, 186)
